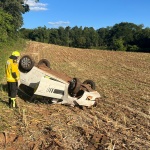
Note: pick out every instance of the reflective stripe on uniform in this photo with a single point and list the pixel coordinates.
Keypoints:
(14, 102)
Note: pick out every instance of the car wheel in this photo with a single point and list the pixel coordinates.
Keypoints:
(91, 83)
(74, 86)
(26, 63)
(44, 62)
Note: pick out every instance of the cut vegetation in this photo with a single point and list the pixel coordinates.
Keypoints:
(121, 119)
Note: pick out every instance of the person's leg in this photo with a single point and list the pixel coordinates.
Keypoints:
(9, 92)
(13, 93)
(16, 88)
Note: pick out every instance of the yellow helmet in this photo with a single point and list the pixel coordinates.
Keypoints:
(15, 53)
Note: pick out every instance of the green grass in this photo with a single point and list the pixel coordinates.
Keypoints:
(5, 51)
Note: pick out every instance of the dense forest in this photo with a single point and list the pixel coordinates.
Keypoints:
(123, 36)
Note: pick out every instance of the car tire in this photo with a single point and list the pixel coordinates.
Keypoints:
(74, 86)
(91, 83)
(26, 63)
(44, 62)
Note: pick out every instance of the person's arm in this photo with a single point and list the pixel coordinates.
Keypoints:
(15, 71)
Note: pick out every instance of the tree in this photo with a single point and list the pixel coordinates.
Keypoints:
(102, 34)
(68, 40)
(6, 26)
(15, 8)
(118, 44)
(76, 35)
(25, 33)
(63, 36)
(143, 40)
(93, 37)
(125, 31)
(54, 37)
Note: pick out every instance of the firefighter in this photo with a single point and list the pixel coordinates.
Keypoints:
(12, 76)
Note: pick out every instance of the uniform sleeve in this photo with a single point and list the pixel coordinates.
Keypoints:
(8, 68)
(15, 71)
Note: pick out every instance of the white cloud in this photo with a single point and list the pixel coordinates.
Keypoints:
(59, 23)
(36, 6)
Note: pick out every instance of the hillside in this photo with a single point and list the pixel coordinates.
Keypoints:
(120, 121)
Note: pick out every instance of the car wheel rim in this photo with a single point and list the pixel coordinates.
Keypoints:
(26, 62)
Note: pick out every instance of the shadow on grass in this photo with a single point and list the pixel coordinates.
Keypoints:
(3, 88)
(4, 102)
(27, 95)
(21, 95)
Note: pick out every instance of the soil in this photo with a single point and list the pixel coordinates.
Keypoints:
(119, 121)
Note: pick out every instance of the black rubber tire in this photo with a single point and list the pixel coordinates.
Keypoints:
(26, 63)
(91, 83)
(74, 86)
(45, 62)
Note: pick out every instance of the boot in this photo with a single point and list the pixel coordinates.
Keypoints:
(13, 103)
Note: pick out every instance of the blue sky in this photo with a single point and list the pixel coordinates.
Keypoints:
(86, 13)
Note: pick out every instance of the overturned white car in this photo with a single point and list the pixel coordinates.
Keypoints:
(43, 81)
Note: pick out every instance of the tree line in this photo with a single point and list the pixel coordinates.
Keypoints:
(120, 37)
(123, 36)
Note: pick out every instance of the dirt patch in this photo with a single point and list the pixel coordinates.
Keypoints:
(119, 121)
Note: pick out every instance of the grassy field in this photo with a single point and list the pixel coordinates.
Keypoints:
(120, 121)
